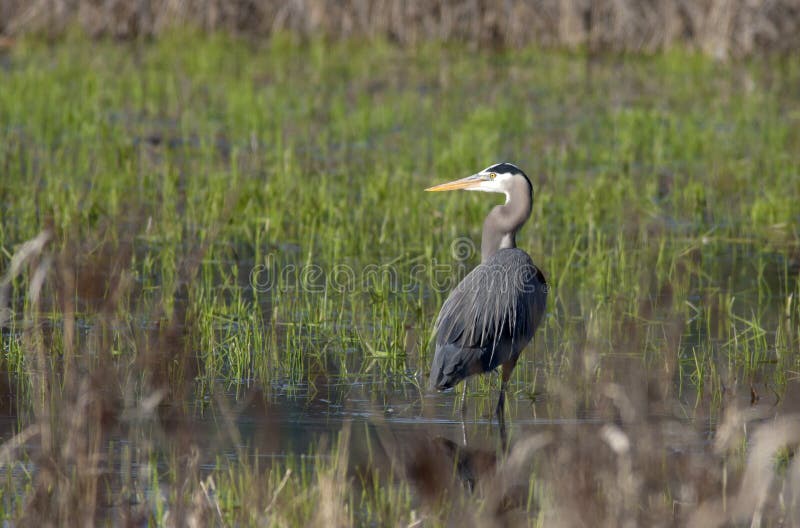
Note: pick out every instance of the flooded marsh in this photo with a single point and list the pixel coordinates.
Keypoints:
(220, 275)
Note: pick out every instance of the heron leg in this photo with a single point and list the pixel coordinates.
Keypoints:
(464, 400)
(508, 367)
(500, 413)
(464, 413)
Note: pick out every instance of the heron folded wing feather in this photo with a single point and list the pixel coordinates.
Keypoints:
(497, 297)
(452, 363)
(500, 302)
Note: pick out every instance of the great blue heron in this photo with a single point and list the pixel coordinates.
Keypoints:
(493, 313)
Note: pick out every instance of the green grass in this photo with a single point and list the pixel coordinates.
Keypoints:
(665, 218)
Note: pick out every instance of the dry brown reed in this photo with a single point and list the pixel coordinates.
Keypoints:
(628, 472)
(721, 28)
(84, 397)
(638, 465)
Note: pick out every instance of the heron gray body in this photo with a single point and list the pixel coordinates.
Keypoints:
(493, 313)
(488, 318)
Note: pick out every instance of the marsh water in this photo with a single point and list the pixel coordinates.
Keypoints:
(290, 416)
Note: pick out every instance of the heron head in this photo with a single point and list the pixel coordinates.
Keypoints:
(497, 178)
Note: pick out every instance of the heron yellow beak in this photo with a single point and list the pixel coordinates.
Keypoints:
(470, 182)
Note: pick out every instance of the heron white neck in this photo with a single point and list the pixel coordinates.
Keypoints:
(503, 222)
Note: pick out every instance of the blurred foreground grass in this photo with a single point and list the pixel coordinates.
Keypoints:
(218, 217)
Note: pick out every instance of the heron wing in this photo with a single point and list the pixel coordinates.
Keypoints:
(492, 313)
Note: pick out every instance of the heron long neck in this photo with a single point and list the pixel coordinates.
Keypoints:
(503, 222)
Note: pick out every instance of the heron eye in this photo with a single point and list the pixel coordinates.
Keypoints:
(492, 175)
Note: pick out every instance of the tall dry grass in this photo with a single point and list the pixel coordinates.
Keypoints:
(636, 465)
(85, 396)
(721, 28)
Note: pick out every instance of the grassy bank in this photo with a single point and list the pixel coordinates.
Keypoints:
(221, 227)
